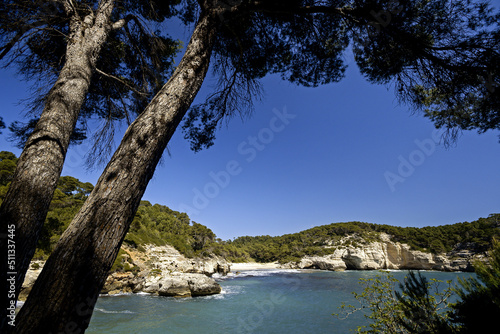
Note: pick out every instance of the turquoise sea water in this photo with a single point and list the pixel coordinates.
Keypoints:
(263, 301)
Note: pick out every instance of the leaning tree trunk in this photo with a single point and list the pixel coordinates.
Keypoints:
(41, 162)
(65, 293)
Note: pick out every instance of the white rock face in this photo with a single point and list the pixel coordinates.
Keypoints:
(30, 278)
(160, 270)
(386, 254)
(329, 262)
(166, 272)
(167, 258)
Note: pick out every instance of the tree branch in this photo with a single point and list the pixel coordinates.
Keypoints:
(69, 6)
(123, 82)
(7, 47)
(121, 23)
(261, 7)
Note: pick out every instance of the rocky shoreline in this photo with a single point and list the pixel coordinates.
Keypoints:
(386, 254)
(159, 270)
(162, 270)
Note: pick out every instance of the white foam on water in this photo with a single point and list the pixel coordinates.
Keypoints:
(117, 294)
(264, 273)
(142, 293)
(115, 312)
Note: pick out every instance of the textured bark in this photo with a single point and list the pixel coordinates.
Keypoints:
(63, 298)
(41, 162)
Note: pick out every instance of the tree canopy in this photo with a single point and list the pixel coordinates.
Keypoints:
(134, 63)
(441, 57)
(434, 52)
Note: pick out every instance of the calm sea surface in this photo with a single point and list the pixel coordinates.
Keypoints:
(263, 301)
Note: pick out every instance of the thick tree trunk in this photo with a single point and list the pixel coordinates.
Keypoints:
(41, 162)
(64, 295)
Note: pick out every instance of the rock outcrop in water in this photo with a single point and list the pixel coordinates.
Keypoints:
(160, 270)
(182, 285)
(386, 254)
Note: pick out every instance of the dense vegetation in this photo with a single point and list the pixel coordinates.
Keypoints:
(153, 224)
(476, 235)
(159, 225)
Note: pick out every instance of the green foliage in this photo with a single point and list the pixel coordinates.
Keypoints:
(69, 185)
(423, 306)
(377, 296)
(419, 306)
(123, 263)
(68, 198)
(8, 163)
(477, 235)
(441, 56)
(478, 309)
(159, 225)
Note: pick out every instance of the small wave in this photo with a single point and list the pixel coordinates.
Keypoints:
(264, 273)
(116, 312)
(226, 291)
(217, 296)
(142, 293)
(231, 290)
(117, 294)
(218, 276)
(392, 270)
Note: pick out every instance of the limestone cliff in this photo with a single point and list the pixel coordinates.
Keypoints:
(159, 270)
(386, 254)
(164, 271)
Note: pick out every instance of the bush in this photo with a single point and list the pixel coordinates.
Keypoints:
(418, 306)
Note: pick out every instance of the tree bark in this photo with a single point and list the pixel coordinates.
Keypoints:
(63, 297)
(41, 162)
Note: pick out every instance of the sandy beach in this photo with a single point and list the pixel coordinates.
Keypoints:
(253, 266)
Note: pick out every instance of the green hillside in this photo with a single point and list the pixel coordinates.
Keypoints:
(153, 224)
(159, 225)
(476, 235)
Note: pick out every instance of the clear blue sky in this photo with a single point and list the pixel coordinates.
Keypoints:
(314, 156)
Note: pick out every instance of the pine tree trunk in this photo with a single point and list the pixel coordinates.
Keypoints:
(65, 293)
(41, 162)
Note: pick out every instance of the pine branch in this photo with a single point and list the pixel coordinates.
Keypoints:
(123, 82)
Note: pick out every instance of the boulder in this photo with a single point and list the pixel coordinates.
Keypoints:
(119, 283)
(201, 285)
(182, 285)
